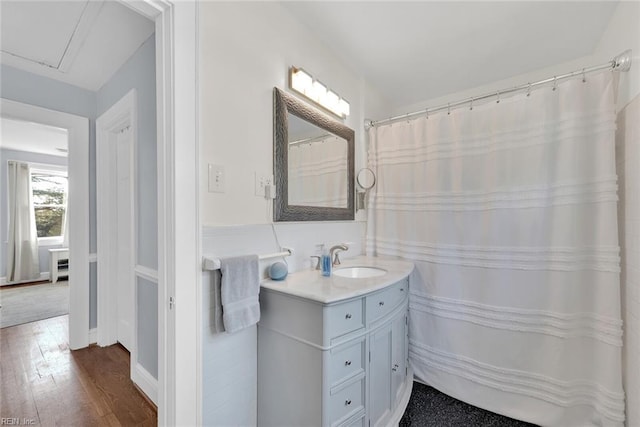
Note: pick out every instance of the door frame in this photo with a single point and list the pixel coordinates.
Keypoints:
(77, 207)
(179, 229)
(179, 249)
(120, 115)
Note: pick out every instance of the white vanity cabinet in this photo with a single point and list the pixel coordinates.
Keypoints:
(337, 363)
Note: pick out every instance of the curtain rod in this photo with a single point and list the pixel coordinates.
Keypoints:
(312, 139)
(621, 62)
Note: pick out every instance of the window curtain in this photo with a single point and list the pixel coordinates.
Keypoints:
(509, 211)
(65, 221)
(22, 248)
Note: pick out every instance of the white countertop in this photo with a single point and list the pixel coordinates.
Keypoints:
(312, 285)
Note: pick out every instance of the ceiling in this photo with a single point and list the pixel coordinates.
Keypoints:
(33, 137)
(440, 46)
(81, 42)
(450, 46)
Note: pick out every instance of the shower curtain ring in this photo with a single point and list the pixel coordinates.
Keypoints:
(426, 112)
(448, 108)
(555, 82)
(529, 90)
(471, 105)
(498, 96)
(584, 77)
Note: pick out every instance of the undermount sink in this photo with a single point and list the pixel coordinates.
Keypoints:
(359, 272)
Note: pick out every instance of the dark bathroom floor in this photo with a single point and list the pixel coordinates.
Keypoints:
(430, 408)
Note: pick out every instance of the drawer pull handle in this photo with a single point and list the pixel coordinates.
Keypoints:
(395, 367)
(401, 289)
(347, 363)
(348, 316)
(381, 303)
(347, 402)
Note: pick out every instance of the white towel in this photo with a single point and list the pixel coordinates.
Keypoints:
(239, 292)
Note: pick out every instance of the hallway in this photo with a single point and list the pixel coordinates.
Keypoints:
(42, 382)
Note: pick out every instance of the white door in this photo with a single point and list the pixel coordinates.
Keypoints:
(124, 237)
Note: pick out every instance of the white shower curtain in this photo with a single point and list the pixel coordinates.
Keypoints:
(509, 213)
(22, 247)
(318, 173)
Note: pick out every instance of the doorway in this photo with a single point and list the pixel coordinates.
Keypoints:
(116, 135)
(34, 163)
(77, 207)
(178, 357)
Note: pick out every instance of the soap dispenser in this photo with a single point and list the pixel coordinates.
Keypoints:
(325, 262)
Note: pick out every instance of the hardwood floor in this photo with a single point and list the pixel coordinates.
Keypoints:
(43, 383)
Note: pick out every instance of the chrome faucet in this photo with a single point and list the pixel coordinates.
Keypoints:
(336, 249)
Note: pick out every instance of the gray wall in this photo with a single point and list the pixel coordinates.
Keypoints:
(32, 89)
(24, 156)
(28, 88)
(139, 73)
(147, 294)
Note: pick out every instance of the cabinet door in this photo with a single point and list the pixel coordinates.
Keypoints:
(399, 341)
(380, 343)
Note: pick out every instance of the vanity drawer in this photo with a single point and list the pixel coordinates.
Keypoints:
(343, 318)
(381, 303)
(346, 401)
(356, 421)
(346, 361)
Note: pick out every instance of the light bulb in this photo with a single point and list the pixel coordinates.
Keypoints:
(301, 81)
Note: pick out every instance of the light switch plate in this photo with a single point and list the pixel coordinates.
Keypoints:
(216, 179)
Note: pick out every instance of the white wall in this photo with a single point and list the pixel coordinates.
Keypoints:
(246, 50)
(628, 167)
(622, 33)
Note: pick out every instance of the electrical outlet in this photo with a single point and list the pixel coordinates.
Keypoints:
(262, 180)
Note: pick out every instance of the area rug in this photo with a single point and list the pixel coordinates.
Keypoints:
(24, 304)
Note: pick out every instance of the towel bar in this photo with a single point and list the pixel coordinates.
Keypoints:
(210, 263)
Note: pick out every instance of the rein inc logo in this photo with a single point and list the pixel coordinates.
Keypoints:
(15, 421)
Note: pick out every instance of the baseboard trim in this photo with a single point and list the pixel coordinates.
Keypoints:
(145, 381)
(93, 336)
(44, 276)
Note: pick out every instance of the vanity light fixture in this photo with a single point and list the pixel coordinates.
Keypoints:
(304, 84)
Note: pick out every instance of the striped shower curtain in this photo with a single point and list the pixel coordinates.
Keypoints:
(509, 212)
(318, 173)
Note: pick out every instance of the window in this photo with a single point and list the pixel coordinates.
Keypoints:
(49, 189)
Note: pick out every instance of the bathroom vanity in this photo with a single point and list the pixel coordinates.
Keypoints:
(333, 351)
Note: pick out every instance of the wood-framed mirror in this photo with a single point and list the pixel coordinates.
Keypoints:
(313, 163)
